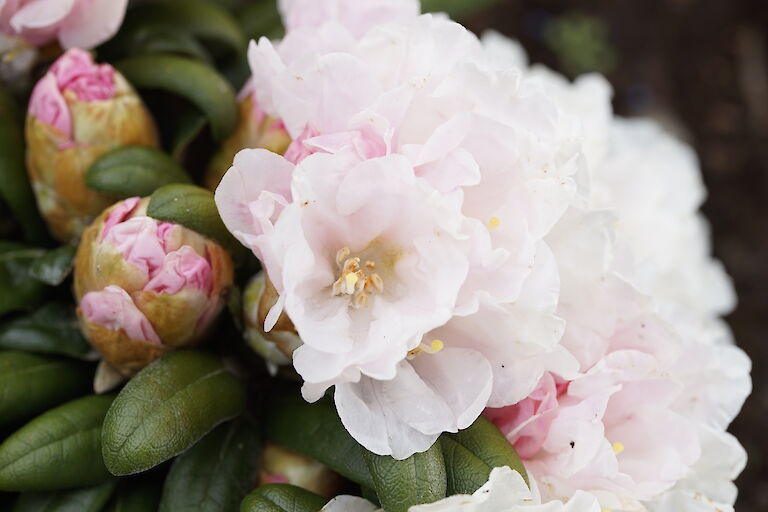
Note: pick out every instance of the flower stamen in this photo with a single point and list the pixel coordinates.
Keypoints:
(433, 347)
(354, 281)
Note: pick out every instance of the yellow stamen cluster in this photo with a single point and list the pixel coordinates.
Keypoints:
(359, 282)
(618, 447)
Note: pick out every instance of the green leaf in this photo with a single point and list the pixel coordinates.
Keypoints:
(188, 126)
(198, 83)
(16, 190)
(132, 171)
(52, 329)
(166, 408)
(198, 18)
(400, 484)
(456, 9)
(18, 289)
(472, 453)
(135, 495)
(167, 39)
(215, 474)
(59, 449)
(194, 208)
(316, 431)
(261, 18)
(54, 266)
(282, 498)
(30, 384)
(90, 499)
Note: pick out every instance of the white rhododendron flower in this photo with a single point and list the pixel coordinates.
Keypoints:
(505, 491)
(407, 244)
(452, 231)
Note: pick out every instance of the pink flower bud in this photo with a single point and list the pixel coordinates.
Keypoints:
(255, 130)
(145, 287)
(78, 111)
(277, 345)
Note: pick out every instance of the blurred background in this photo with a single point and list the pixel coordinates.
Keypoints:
(701, 68)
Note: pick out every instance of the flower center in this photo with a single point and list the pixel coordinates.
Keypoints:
(357, 281)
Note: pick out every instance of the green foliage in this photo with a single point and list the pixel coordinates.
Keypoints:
(316, 431)
(472, 453)
(282, 498)
(30, 383)
(59, 449)
(166, 408)
(132, 171)
(215, 474)
(192, 80)
(90, 499)
(400, 484)
(51, 329)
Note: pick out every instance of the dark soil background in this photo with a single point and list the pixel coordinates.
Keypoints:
(701, 67)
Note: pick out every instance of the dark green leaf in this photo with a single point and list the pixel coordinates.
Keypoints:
(261, 18)
(316, 431)
(282, 498)
(197, 18)
(30, 383)
(472, 453)
(90, 499)
(18, 289)
(198, 83)
(168, 40)
(132, 171)
(194, 208)
(187, 128)
(59, 449)
(215, 474)
(16, 190)
(52, 329)
(54, 266)
(136, 495)
(166, 408)
(401, 484)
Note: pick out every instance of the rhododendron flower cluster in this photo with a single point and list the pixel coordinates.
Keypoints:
(452, 232)
(145, 287)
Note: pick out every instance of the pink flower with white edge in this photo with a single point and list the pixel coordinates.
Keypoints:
(73, 23)
(505, 491)
(145, 287)
(77, 112)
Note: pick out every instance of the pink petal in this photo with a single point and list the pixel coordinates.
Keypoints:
(113, 308)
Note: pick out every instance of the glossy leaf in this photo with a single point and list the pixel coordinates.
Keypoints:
(196, 82)
(19, 291)
(30, 384)
(472, 453)
(316, 431)
(216, 473)
(16, 191)
(59, 449)
(90, 499)
(133, 171)
(400, 484)
(194, 208)
(166, 408)
(52, 329)
(53, 267)
(282, 498)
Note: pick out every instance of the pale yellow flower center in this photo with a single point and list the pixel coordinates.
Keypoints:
(432, 347)
(357, 280)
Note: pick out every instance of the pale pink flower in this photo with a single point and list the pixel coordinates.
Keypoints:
(74, 23)
(505, 491)
(356, 16)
